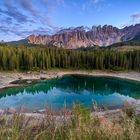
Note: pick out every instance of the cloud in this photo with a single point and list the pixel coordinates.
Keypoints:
(61, 3)
(13, 12)
(135, 17)
(22, 32)
(39, 30)
(6, 30)
(7, 20)
(54, 3)
(28, 5)
(95, 1)
(98, 5)
(37, 16)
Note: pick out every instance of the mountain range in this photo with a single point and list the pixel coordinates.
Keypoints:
(72, 38)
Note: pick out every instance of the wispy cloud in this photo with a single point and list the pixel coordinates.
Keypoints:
(28, 5)
(51, 4)
(36, 14)
(61, 3)
(13, 16)
(96, 1)
(135, 17)
(98, 5)
(21, 32)
(13, 12)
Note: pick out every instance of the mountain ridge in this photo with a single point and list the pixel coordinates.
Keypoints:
(73, 38)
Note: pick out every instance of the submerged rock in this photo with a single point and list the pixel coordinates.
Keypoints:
(29, 82)
(42, 111)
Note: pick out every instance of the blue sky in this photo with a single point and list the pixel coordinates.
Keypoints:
(20, 18)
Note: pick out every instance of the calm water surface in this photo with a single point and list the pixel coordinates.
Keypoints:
(104, 91)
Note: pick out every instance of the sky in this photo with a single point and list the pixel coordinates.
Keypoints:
(21, 18)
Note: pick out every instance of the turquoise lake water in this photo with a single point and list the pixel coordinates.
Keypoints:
(106, 92)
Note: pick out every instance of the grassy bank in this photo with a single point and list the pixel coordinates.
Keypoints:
(77, 124)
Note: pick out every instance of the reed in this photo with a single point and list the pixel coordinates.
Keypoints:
(75, 124)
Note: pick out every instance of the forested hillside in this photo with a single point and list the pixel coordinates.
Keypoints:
(36, 58)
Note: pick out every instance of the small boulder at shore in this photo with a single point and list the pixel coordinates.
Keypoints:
(42, 78)
(20, 78)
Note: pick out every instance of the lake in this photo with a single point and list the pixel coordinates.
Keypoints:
(105, 92)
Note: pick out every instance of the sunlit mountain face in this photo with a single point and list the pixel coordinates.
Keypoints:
(101, 36)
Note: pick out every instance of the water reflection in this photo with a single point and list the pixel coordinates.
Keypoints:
(105, 91)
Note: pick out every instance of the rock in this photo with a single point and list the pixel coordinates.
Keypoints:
(29, 82)
(20, 78)
(34, 111)
(29, 72)
(41, 111)
(59, 76)
(81, 37)
(42, 78)
(43, 72)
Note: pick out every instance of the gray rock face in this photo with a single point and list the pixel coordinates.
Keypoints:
(73, 38)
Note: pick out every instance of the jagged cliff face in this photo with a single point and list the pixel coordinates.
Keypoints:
(79, 37)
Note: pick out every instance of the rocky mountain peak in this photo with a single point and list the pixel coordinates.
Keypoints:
(83, 36)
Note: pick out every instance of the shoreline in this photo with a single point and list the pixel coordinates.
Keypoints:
(7, 77)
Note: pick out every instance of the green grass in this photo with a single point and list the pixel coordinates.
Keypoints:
(77, 124)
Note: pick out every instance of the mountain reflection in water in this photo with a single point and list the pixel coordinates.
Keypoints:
(105, 91)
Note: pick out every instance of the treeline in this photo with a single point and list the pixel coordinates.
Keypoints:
(129, 43)
(26, 58)
(133, 42)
